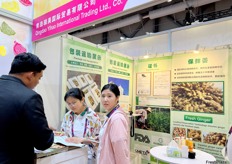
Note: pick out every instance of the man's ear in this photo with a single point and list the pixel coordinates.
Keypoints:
(30, 75)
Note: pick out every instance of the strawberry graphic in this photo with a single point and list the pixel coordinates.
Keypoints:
(18, 48)
(25, 2)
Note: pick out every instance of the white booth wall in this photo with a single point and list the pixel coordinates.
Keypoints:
(207, 35)
(49, 51)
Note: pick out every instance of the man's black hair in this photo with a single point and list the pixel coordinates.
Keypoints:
(26, 62)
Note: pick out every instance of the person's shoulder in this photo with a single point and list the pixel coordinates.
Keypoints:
(67, 114)
(120, 111)
(90, 110)
(27, 94)
(91, 113)
(118, 119)
(119, 114)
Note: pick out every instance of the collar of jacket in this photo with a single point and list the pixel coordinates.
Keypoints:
(83, 113)
(9, 77)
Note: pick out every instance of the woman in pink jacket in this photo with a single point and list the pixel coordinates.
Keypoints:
(114, 135)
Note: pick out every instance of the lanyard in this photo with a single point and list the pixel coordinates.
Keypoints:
(86, 120)
(110, 113)
(72, 119)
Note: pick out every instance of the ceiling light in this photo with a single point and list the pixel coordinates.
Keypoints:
(196, 51)
(149, 33)
(146, 56)
(122, 37)
(195, 22)
(169, 0)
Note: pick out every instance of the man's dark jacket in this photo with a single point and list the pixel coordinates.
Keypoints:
(23, 124)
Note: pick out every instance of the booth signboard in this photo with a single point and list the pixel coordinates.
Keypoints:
(75, 13)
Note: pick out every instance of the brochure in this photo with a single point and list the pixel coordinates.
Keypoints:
(61, 140)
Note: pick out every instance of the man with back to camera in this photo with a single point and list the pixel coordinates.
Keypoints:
(23, 124)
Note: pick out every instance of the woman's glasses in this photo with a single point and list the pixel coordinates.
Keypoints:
(71, 104)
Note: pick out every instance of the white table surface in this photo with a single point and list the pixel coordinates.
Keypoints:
(75, 156)
(160, 153)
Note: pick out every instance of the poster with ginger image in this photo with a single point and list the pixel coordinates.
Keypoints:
(200, 96)
(179, 132)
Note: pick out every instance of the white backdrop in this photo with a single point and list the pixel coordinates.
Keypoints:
(49, 51)
(206, 34)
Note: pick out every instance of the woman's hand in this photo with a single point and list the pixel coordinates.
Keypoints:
(78, 140)
(58, 133)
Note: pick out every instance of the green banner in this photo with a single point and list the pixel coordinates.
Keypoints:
(120, 71)
(200, 99)
(82, 68)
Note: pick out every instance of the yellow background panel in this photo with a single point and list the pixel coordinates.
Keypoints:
(43, 6)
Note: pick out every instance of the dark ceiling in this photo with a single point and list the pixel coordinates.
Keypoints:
(213, 9)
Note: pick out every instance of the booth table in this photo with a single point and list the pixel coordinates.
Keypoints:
(67, 155)
(160, 153)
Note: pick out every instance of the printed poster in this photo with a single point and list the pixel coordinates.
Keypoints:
(162, 83)
(152, 111)
(147, 72)
(143, 83)
(199, 99)
(120, 72)
(83, 68)
(145, 140)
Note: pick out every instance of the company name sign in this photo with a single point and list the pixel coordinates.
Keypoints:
(76, 13)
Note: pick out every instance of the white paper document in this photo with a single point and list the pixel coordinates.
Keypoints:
(61, 140)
